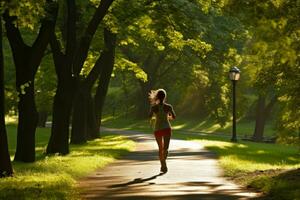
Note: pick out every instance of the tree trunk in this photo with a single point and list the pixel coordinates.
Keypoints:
(62, 107)
(260, 119)
(92, 129)
(84, 118)
(262, 113)
(66, 87)
(5, 163)
(86, 39)
(99, 102)
(104, 77)
(28, 119)
(79, 119)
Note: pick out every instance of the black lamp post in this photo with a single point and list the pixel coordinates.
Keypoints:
(234, 75)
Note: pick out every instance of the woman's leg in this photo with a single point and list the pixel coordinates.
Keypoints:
(159, 140)
(166, 142)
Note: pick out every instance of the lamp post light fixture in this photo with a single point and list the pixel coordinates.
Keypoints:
(234, 75)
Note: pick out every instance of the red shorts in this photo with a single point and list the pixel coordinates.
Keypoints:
(163, 132)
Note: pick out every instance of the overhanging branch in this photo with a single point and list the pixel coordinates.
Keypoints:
(82, 50)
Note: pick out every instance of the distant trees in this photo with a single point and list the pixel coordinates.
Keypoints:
(176, 50)
(271, 58)
(162, 46)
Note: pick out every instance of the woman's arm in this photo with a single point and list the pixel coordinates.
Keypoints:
(172, 112)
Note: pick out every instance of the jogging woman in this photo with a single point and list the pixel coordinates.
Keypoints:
(162, 112)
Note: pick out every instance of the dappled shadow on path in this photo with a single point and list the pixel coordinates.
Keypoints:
(136, 181)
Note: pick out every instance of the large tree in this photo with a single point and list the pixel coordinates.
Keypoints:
(68, 65)
(103, 80)
(27, 60)
(86, 108)
(5, 163)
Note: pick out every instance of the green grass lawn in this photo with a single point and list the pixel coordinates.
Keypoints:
(54, 177)
(191, 125)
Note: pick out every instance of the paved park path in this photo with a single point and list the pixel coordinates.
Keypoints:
(193, 174)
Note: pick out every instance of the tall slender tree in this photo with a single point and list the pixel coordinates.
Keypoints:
(104, 79)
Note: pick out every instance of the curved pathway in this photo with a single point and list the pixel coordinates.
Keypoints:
(193, 174)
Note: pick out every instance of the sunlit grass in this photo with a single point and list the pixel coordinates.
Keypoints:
(270, 168)
(191, 125)
(248, 157)
(54, 177)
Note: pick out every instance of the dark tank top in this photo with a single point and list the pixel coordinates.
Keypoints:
(161, 118)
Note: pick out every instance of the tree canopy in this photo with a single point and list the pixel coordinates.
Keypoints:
(74, 60)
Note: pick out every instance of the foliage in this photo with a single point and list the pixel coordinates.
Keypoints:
(173, 41)
(270, 55)
(186, 47)
(28, 13)
(122, 64)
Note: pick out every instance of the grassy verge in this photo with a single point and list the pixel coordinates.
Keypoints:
(54, 177)
(270, 168)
